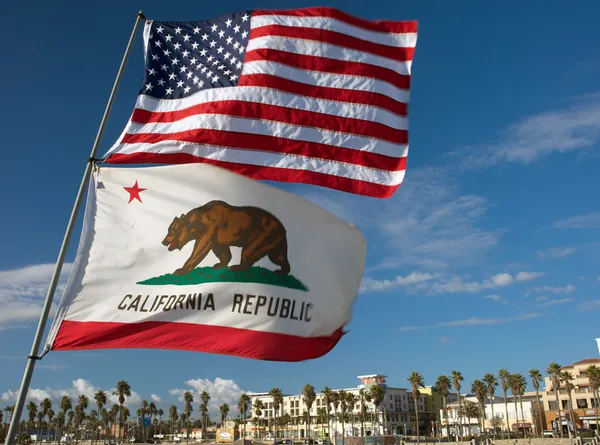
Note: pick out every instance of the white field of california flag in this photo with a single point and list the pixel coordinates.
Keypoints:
(195, 257)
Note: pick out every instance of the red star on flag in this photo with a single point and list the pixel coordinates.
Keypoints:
(134, 192)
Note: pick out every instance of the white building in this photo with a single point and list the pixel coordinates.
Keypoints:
(394, 415)
(517, 420)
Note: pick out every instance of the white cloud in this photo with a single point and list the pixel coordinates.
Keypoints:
(220, 390)
(371, 285)
(52, 367)
(527, 276)
(557, 252)
(557, 290)
(433, 284)
(496, 298)
(155, 398)
(475, 321)
(22, 292)
(457, 284)
(79, 387)
(587, 221)
(428, 223)
(555, 302)
(444, 340)
(575, 127)
(540, 299)
(588, 305)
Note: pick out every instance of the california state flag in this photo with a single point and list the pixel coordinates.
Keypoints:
(195, 257)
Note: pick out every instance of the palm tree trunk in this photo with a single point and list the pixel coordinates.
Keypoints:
(539, 406)
(493, 421)
(446, 417)
(417, 422)
(506, 414)
(460, 431)
(481, 418)
(517, 412)
(597, 399)
(523, 416)
(572, 415)
(559, 418)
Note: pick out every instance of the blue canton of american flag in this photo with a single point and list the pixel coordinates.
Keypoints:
(310, 95)
(185, 57)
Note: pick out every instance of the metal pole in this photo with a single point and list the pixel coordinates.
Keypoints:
(37, 340)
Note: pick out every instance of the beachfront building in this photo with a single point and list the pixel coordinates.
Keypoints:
(584, 410)
(395, 415)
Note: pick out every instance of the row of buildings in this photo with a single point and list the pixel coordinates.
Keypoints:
(396, 414)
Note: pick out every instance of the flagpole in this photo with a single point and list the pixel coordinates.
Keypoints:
(33, 356)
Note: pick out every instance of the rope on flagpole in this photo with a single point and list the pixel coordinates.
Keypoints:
(37, 340)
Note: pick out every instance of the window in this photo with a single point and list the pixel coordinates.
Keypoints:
(565, 403)
(582, 403)
(552, 405)
(593, 403)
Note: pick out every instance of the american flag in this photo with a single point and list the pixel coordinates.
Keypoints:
(308, 95)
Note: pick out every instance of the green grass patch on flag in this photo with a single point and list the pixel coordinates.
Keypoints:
(203, 275)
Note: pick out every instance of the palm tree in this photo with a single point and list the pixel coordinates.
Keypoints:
(491, 382)
(243, 404)
(45, 406)
(554, 372)
(327, 392)
(377, 396)
(444, 385)
(32, 410)
(142, 413)
(457, 378)
(160, 413)
(310, 396)
(504, 375)
(188, 398)
(517, 385)
(40, 420)
(536, 378)
(80, 415)
(343, 398)
(521, 385)
(173, 417)
(258, 407)
(321, 416)
(277, 401)
(351, 400)
(205, 397)
(152, 413)
(60, 424)
(469, 410)
(123, 390)
(70, 421)
(50, 415)
(224, 410)
(100, 398)
(363, 397)
(105, 419)
(335, 402)
(124, 415)
(416, 382)
(480, 390)
(593, 373)
(567, 378)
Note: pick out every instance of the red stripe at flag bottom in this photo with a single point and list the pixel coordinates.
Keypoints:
(76, 335)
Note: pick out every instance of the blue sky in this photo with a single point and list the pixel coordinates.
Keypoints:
(485, 258)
